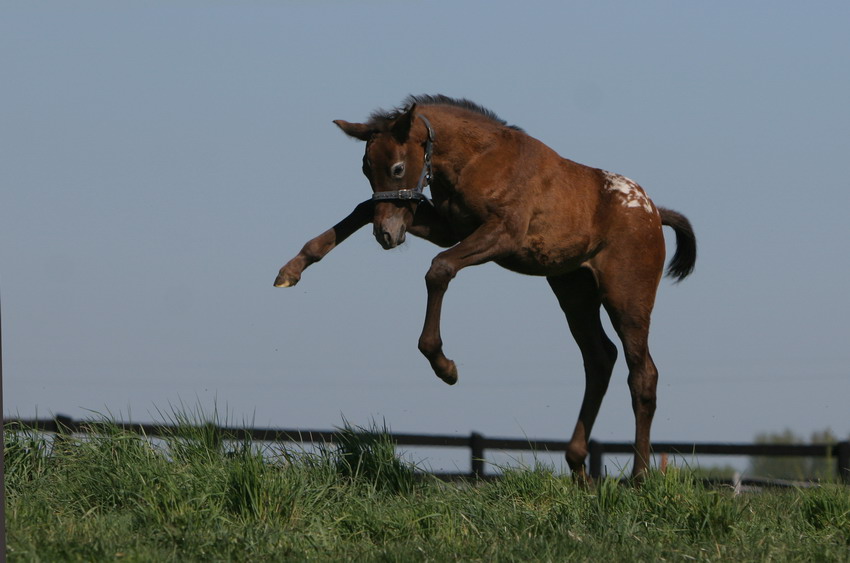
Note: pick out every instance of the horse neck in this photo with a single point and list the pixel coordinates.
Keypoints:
(458, 141)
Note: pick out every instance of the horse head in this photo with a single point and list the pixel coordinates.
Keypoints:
(397, 162)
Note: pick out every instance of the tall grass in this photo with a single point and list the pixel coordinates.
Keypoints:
(198, 496)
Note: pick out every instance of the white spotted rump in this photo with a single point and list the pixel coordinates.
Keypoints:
(631, 194)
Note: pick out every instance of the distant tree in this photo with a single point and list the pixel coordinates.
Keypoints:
(802, 468)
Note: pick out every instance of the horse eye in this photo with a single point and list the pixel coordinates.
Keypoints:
(398, 170)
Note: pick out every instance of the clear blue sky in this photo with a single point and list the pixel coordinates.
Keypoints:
(161, 160)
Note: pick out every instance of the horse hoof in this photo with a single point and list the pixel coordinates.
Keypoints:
(583, 480)
(449, 375)
(285, 280)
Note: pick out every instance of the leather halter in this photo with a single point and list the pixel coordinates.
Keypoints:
(416, 193)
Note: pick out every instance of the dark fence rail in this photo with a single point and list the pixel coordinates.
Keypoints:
(475, 442)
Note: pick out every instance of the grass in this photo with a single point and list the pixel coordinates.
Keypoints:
(197, 496)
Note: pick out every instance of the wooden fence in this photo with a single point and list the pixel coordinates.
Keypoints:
(475, 442)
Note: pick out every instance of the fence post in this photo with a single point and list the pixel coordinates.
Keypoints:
(64, 424)
(843, 461)
(596, 451)
(2, 458)
(476, 444)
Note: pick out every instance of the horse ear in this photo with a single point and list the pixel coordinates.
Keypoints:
(357, 130)
(401, 127)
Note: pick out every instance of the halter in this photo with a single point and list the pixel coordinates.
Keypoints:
(414, 194)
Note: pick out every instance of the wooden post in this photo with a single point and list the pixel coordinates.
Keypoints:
(596, 451)
(64, 424)
(2, 463)
(843, 450)
(476, 444)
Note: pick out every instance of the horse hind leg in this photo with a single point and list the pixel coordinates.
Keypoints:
(643, 381)
(630, 315)
(578, 296)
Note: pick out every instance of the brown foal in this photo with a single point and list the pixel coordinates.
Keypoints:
(499, 195)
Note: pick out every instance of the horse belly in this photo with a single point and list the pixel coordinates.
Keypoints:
(538, 259)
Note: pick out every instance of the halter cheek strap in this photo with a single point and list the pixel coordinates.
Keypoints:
(415, 193)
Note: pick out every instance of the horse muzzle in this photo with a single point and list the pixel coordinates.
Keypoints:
(390, 235)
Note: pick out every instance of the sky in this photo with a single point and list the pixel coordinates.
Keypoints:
(160, 161)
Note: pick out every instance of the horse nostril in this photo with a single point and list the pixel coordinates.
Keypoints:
(388, 240)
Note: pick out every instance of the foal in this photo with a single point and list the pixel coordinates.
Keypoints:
(499, 195)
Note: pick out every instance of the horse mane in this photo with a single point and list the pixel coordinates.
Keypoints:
(380, 119)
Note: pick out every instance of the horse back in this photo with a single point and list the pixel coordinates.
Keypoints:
(560, 213)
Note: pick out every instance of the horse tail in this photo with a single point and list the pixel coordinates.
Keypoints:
(685, 256)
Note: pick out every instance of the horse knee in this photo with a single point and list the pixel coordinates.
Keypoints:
(439, 274)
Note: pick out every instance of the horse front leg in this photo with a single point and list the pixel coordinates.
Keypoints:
(318, 247)
(485, 244)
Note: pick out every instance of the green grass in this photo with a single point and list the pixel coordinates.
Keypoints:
(197, 496)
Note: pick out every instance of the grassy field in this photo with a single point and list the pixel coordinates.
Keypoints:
(196, 497)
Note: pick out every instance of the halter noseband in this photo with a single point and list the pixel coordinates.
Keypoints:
(424, 178)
